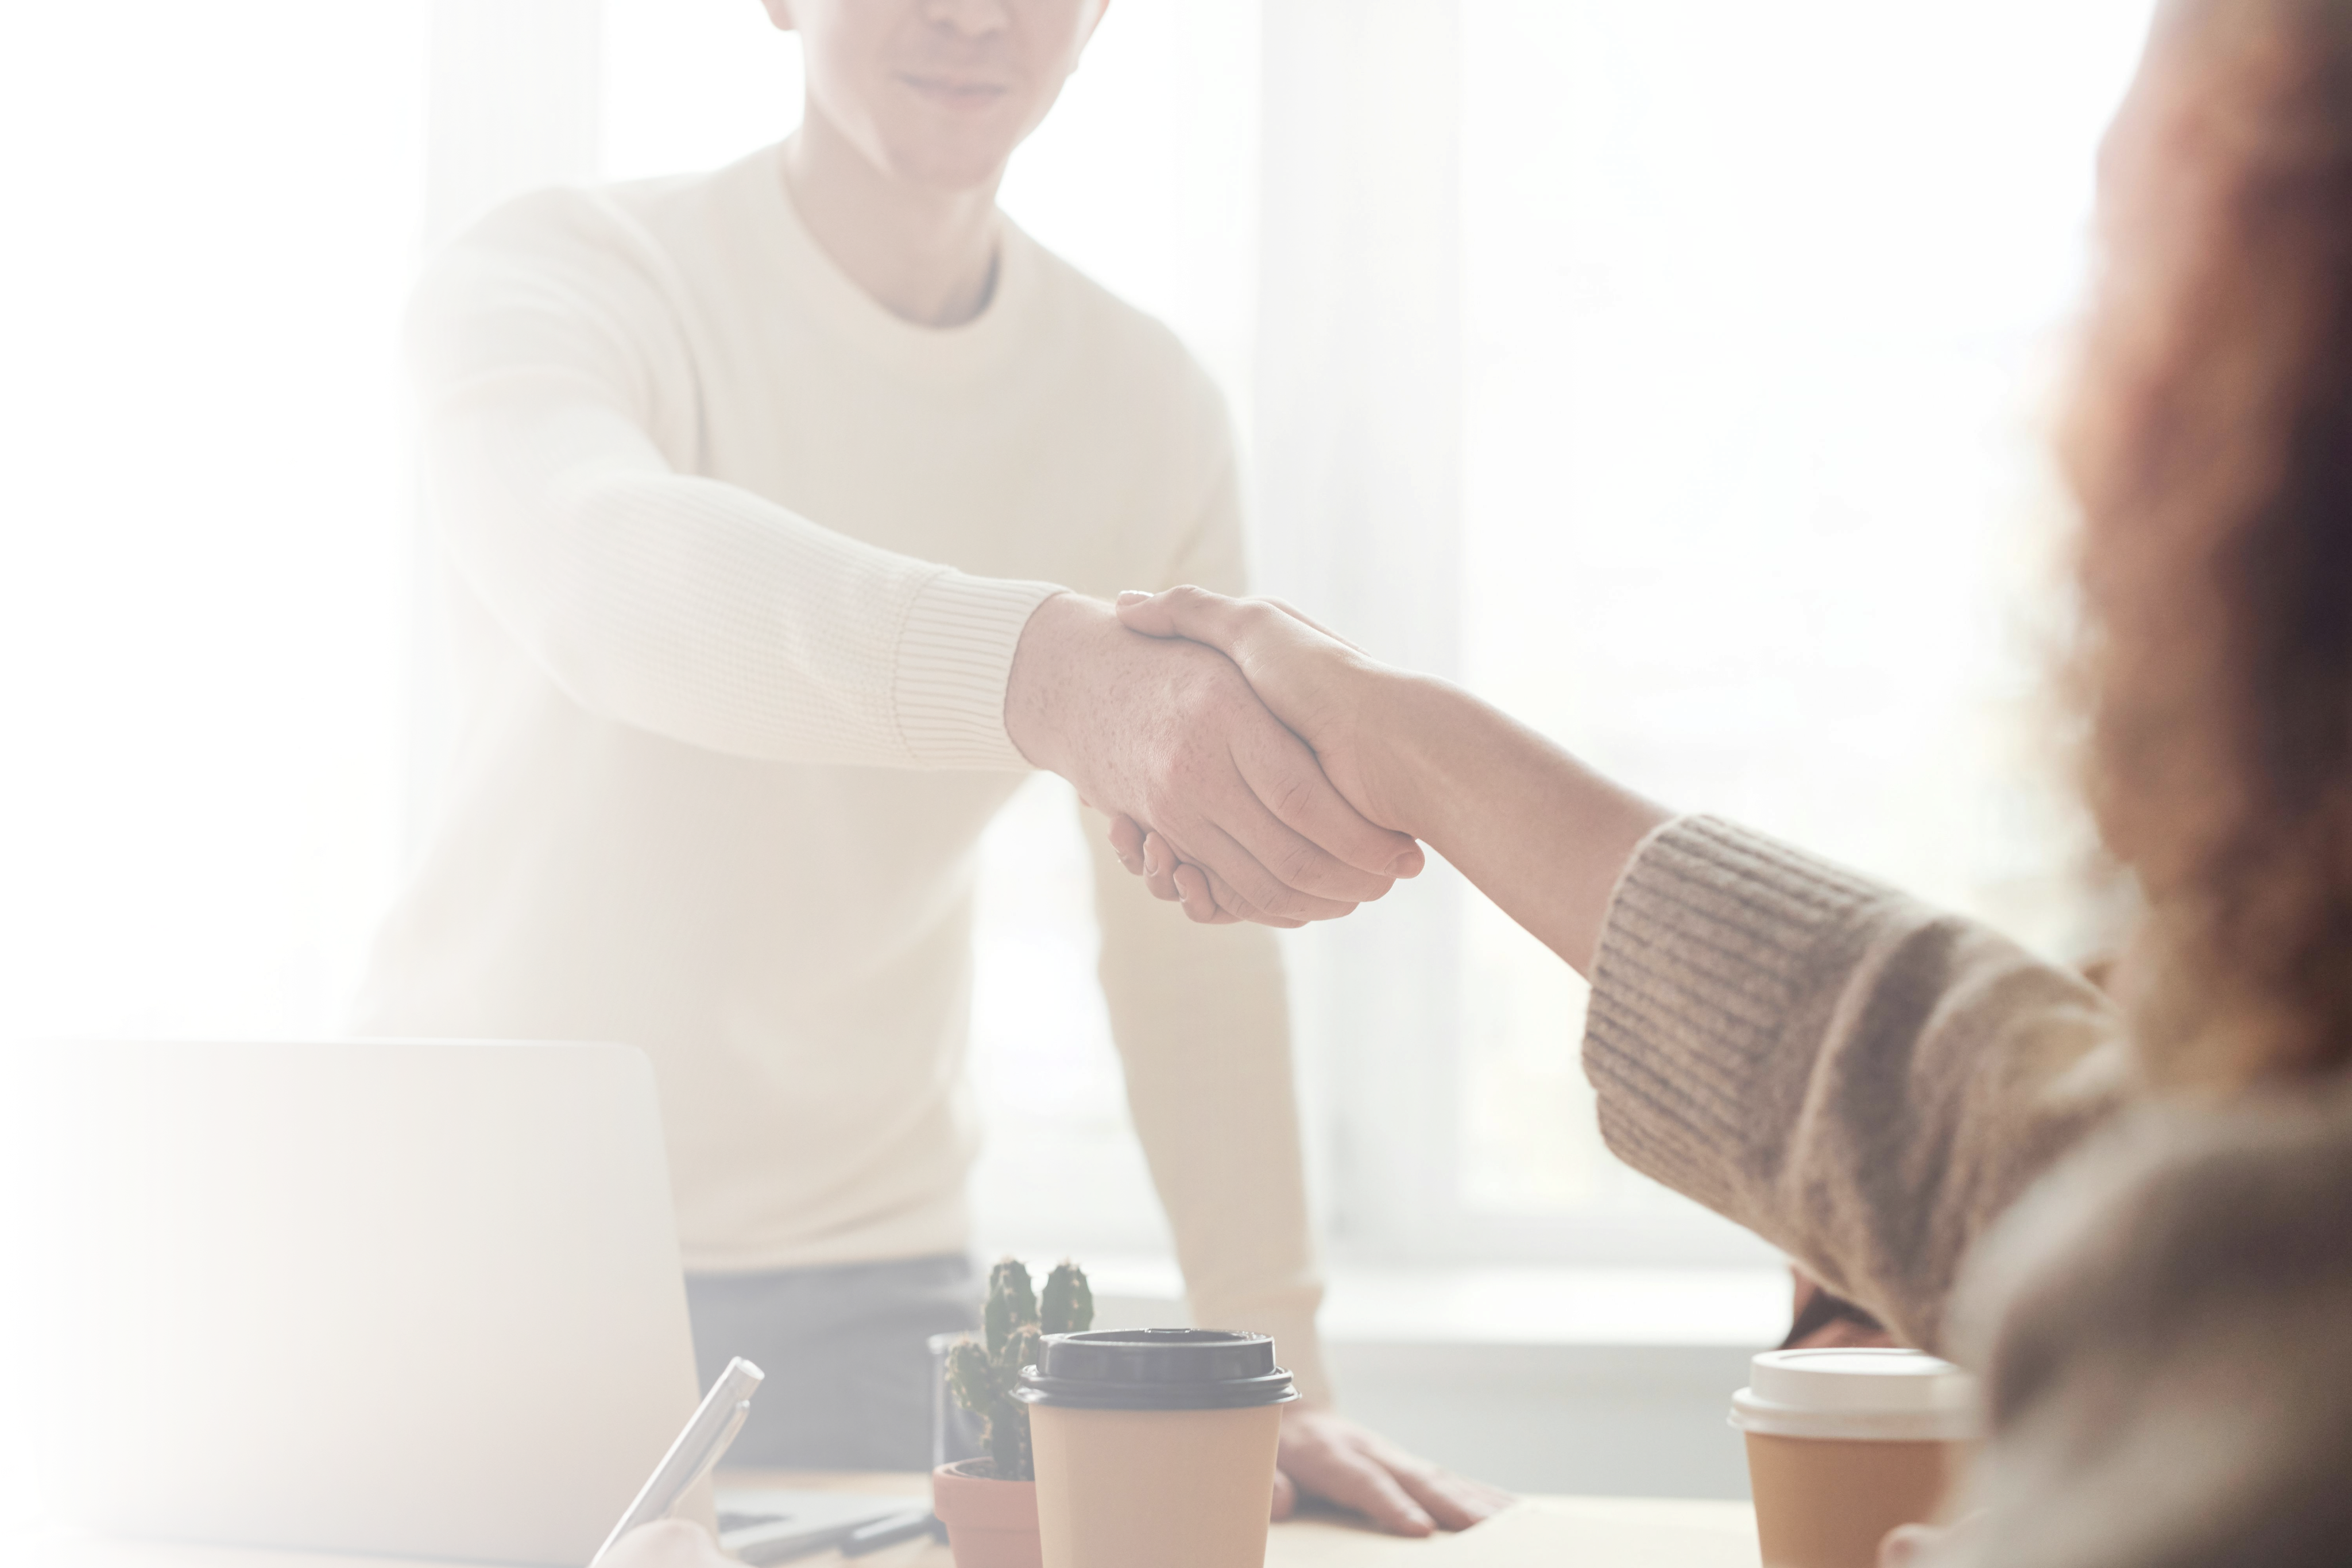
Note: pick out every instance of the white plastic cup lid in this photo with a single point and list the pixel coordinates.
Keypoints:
(1887, 1396)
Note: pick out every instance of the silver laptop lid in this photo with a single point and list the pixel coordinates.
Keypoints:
(415, 1299)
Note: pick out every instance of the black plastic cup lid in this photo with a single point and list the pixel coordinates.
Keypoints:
(1156, 1369)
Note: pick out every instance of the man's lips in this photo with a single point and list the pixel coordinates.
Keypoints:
(956, 92)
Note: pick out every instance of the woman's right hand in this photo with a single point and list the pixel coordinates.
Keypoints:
(1315, 683)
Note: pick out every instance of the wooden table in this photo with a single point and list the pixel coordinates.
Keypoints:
(1553, 1533)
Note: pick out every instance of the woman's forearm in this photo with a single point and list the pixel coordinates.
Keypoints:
(1538, 831)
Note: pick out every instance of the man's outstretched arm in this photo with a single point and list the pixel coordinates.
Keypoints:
(556, 415)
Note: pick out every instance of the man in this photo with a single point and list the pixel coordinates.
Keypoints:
(783, 503)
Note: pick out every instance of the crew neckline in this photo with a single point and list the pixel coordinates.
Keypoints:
(945, 353)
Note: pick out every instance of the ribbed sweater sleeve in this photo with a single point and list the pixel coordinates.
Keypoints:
(558, 423)
(1866, 1081)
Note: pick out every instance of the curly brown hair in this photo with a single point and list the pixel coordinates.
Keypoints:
(2210, 447)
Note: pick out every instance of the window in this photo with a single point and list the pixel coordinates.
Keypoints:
(1763, 308)
(201, 607)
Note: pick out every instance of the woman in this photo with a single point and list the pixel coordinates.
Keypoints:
(2164, 1324)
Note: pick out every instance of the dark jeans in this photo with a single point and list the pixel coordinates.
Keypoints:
(850, 1376)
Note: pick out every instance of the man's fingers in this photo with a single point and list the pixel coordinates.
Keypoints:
(1207, 900)
(1175, 881)
(1286, 1496)
(1235, 866)
(1454, 1503)
(1330, 1457)
(1204, 904)
(1127, 839)
(1285, 776)
(1232, 906)
(1351, 1480)
(1159, 864)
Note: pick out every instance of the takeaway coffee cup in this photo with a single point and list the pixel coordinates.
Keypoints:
(1844, 1445)
(1155, 1447)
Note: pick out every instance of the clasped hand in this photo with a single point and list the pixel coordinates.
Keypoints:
(1159, 730)
(1304, 681)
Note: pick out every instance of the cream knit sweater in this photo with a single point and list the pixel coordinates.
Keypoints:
(739, 562)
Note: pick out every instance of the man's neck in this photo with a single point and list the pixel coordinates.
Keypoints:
(927, 256)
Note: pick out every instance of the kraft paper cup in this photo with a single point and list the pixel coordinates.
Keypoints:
(1844, 1445)
(1155, 1447)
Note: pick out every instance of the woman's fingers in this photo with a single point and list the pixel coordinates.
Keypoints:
(1323, 822)
(1193, 613)
(1304, 619)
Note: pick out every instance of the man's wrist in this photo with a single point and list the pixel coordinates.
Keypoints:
(1047, 664)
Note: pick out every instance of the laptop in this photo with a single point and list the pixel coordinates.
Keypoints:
(412, 1299)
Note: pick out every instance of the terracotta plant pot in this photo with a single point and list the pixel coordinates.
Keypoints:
(991, 1524)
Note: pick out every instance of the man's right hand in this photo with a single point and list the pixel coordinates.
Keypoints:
(1168, 733)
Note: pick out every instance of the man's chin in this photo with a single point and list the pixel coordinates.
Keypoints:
(952, 172)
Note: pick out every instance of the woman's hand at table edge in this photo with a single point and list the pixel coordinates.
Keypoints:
(668, 1544)
(1325, 1456)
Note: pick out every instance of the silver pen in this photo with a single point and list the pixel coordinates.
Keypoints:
(715, 1421)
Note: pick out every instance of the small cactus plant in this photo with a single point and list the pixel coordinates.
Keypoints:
(983, 1375)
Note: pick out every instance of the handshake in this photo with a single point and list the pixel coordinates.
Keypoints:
(1234, 744)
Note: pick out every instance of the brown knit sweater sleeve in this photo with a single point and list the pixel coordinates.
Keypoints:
(1866, 1081)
